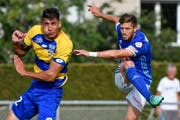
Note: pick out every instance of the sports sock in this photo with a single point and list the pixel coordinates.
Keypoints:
(138, 81)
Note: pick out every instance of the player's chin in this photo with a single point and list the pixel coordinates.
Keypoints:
(125, 38)
(51, 36)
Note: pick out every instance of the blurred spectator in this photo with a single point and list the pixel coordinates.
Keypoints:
(169, 88)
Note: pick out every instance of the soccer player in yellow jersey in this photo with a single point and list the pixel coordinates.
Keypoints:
(52, 48)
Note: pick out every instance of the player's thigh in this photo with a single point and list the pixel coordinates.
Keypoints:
(24, 107)
(48, 105)
(121, 80)
(123, 66)
(132, 112)
(122, 72)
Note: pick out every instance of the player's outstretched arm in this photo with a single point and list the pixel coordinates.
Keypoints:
(19, 47)
(48, 75)
(105, 54)
(96, 12)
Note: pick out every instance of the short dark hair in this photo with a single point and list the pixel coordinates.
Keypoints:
(128, 18)
(51, 13)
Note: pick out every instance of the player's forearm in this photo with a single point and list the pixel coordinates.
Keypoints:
(105, 54)
(112, 54)
(108, 54)
(47, 76)
(110, 18)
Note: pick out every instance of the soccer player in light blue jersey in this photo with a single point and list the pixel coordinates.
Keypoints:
(134, 72)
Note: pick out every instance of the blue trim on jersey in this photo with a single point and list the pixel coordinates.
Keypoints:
(41, 64)
(44, 43)
(118, 29)
(65, 69)
(59, 82)
(45, 66)
(59, 61)
(48, 85)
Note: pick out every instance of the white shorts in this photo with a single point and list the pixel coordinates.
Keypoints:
(119, 82)
(133, 95)
(136, 99)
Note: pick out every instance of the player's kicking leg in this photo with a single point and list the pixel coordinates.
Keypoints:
(138, 81)
(135, 100)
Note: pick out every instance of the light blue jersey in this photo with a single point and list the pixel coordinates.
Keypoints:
(141, 49)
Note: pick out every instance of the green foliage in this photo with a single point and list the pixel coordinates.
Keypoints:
(89, 34)
(107, 31)
(161, 45)
(95, 34)
(86, 81)
(146, 22)
(162, 49)
(11, 84)
(91, 81)
(5, 54)
(21, 15)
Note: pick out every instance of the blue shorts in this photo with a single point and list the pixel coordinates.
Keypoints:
(38, 101)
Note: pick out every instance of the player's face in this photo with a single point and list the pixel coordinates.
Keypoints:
(128, 31)
(51, 27)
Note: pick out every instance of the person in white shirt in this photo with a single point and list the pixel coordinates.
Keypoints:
(169, 88)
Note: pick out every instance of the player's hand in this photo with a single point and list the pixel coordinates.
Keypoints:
(94, 10)
(19, 65)
(81, 52)
(18, 36)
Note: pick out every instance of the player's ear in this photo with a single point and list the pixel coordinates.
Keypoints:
(135, 28)
(60, 24)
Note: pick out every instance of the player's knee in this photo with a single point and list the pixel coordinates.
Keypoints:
(129, 64)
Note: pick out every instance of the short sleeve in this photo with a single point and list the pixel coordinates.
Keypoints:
(117, 26)
(118, 30)
(30, 34)
(63, 53)
(160, 86)
(119, 34)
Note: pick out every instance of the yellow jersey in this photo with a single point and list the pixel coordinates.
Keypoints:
(58, 50)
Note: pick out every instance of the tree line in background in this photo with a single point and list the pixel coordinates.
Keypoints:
(84, 82)
(92, 34)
